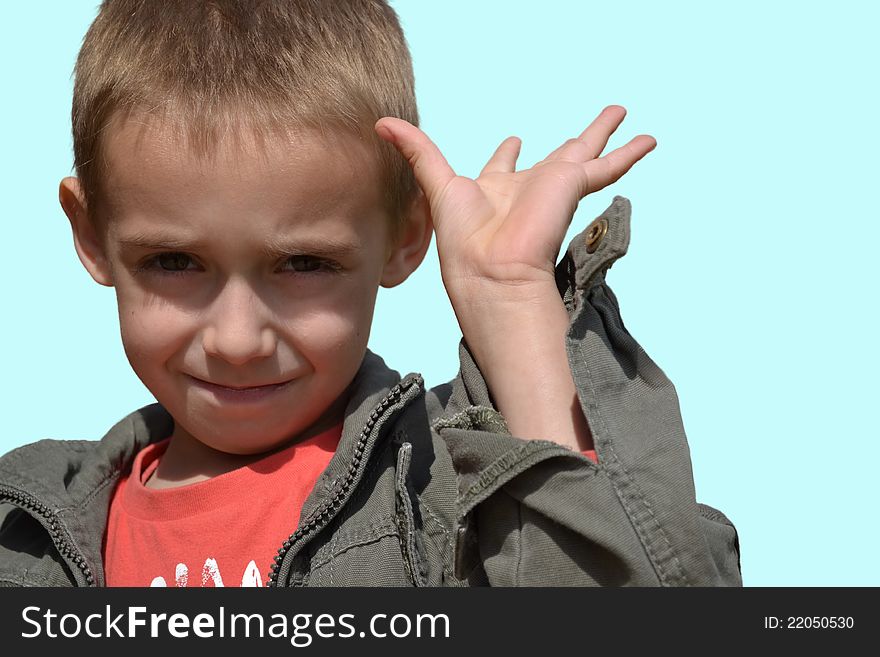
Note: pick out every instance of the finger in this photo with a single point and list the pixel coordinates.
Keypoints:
(593, 140)
(431, 169)
(603, 126)
(504, 158)
(609, 169)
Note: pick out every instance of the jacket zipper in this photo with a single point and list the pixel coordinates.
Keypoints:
(56, 533)
(325, 512)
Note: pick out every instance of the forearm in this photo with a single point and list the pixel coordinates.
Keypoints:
(517, 337)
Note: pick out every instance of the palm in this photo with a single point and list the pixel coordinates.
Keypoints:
(507, 226)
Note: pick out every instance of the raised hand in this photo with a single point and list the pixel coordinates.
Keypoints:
(506, 227)
(498, 238)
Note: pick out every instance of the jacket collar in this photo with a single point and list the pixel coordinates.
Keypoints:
(369, 400)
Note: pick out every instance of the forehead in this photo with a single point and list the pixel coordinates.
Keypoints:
(152, 170)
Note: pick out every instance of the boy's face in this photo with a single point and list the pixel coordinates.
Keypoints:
(258, 267)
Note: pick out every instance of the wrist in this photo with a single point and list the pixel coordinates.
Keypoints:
(519, 345)
(516, 297)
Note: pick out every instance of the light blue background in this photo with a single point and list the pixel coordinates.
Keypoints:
(751, 277)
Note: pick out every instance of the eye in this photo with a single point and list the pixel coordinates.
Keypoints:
(310, 264)
(171, 263)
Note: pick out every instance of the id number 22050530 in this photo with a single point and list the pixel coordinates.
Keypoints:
(808, 622)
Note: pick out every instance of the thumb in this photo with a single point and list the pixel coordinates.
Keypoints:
(431, 169)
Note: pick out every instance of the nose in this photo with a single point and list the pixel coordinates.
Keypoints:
(237, 330)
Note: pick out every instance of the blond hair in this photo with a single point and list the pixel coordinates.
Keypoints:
(214, 67)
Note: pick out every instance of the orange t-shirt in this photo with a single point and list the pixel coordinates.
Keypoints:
(225, 531)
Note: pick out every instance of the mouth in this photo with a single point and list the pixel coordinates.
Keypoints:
(240, 393)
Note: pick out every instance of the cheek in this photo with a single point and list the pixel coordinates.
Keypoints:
(151, 334)
(339, 328)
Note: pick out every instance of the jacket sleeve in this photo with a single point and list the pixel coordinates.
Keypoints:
(532, 512)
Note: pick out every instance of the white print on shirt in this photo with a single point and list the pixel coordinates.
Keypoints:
(181, 574)
(211, 572)
(251, 577)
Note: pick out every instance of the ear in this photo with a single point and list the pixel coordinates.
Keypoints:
(85, 239)
(412, 243)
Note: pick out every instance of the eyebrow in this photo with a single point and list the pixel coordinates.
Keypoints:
(328, 247)
(144, 241)
(276, 247)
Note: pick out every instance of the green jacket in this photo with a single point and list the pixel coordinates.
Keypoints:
(428, 488)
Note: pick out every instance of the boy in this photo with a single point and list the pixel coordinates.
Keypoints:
(248, 175)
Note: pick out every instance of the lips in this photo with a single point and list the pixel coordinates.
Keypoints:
(241, 397)
(255, 386)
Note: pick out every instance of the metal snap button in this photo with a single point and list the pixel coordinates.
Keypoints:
(595, 233)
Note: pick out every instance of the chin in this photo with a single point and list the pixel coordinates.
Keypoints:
(249, 433)
(243, 443)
